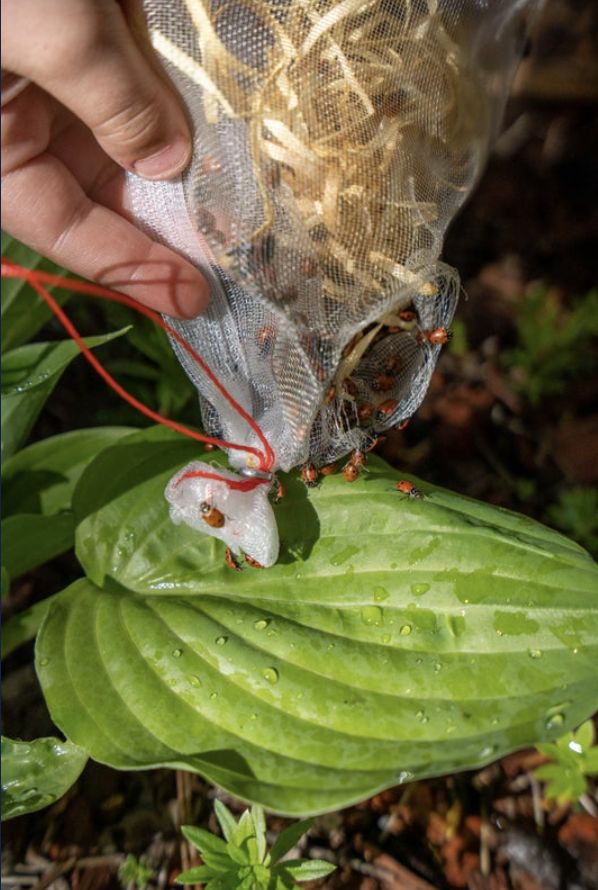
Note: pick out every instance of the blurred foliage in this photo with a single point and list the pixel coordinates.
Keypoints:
(577, 514)
(555, 343)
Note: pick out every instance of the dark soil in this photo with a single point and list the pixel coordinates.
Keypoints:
(481, 431)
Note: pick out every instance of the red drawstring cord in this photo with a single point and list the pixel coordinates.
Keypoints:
(266, 458)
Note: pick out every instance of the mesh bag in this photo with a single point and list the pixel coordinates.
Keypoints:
(334, 142)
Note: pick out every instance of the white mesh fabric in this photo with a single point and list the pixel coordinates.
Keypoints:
(334, 142)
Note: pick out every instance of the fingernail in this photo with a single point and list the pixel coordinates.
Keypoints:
(166, 163)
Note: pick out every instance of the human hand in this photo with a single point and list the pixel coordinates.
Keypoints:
(96, 104)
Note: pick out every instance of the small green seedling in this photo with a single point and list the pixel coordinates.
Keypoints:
(240, 862)
(135, 873)
(574, 758)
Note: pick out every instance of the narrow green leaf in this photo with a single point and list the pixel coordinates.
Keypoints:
(227, 821)
(205, 841)
(259, 822)
(198, 875)
(29, 375)
(307, 869)
(584, 736)
(35, 774)
(29, 541)
(23, 311)
(287, 839)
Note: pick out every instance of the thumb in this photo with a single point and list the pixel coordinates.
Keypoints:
(83, 53)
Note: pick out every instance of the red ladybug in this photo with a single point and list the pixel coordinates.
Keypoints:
(330, 396)
(401, 426)
(253, 562)
(386, 408)
(408, 488)
(439, 336)
(357, 458)
(309, 474)
(383, 383)
(394, 364)
(231, 560)
(350, 473)
(329, 469)
(279, 491)
(211, 515)
(365, 411)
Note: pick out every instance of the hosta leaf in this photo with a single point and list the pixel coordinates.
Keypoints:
(41, 478)
(394, 639)
(29, 540)
(35, 774)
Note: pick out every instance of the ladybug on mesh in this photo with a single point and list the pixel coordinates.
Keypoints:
(329, 469)
(231, 560)
(386, 408)
(211, 515)
(309, 475)
(439, 336)
(408, 488)
(253, 562)
(383, 383)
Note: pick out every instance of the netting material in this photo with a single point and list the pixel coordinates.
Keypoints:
(334, 142)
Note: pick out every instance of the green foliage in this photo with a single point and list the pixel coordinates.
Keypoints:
(577, 514)
(240, 861)
(574, 758)
(35, 774)
(555, 344)
(135, 873)
(469, 631)
(407, 639)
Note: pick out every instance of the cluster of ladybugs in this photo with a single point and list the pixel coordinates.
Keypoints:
(351, 471)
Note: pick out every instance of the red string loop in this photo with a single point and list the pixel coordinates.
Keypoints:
(37, 278)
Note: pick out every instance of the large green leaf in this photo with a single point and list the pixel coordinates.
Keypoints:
(35, 774)
(29, 374)
(41, 478)
(394, 639)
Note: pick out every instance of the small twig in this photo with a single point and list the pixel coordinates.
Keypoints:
(61, 868)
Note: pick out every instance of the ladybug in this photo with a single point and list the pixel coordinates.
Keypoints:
(370, 443)
(309, 474)
(330, 396)
(211, 515)
(383, 383)
(265, 340)
(329, 469)
(386, 408)
(208, 446)
(408, 488)
(350, 473)
(253, 562)
(352, 344)
(350, 387)
(357, 458)
(394, 364)
(401, 426)
(439, 336)
(279, 491)
(231, 560)
(365, 411)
